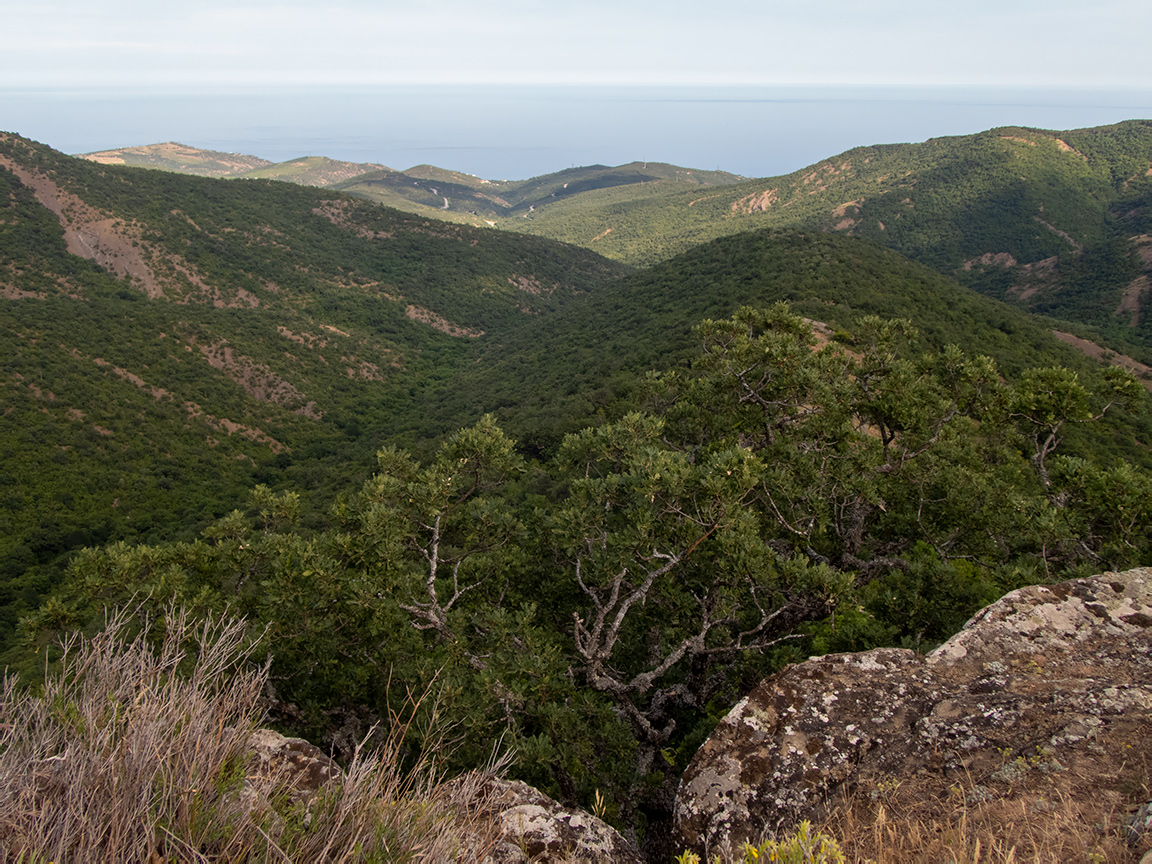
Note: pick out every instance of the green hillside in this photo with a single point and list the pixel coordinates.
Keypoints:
(585, 508)
(461, 197)
(169, 340)
(551, 376)
(1044, 220)
(312, 171)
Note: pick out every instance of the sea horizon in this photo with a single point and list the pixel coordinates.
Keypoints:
(519, 131)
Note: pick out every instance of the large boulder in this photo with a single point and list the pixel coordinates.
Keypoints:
(1051, 678)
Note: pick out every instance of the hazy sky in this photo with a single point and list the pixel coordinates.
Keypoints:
(67, 43)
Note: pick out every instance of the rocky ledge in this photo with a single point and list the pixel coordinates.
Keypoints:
(1048, 680)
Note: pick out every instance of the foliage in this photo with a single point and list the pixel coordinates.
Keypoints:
(800, 848)
(1043, 219)
(598, 611)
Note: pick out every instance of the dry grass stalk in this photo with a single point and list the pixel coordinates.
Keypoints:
(134, 754)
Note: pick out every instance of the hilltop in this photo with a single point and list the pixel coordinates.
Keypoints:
(423, 189)
(1054, 222)
(179, 158)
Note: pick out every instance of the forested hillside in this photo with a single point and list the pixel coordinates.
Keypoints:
(603, 503)
(1055, 222)
(169, 340)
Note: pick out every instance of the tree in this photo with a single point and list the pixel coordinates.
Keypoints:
(674, 578)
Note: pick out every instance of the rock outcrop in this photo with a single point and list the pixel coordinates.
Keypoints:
(533, 827)
(539, 829)
(1049, 680)
(301, 766)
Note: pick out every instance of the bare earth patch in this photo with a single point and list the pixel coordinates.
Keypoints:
(308, 340)
(530, 285)
(1062, 234)
(256, 379)
(1130, 301)
(436, 322)
(1142, 372)
(1067, 148)
(362, 369)
(759, 202)
(991, 259)
(1032, 278)
(91, 233)
(1143, 246)
(337, 212)
(842, 210)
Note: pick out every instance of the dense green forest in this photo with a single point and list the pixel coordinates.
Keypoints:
(586, 507)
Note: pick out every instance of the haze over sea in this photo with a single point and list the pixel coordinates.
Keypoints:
(515, 132)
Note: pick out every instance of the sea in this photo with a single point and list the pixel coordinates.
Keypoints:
(512, 132)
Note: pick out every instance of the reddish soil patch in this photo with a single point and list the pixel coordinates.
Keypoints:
(991, 259)
(306, 339)
(1143, 245)
(223, 424)
(1032, 278)
(1066, 148)
(842, 210)
(759, 202)
(1062, 234)
(1142, 372)
(530, 285)
(362, 369)
(256, 379)
(338, 213)
(436, 322)
(1130, 301)
(154, 392)
(91, 233)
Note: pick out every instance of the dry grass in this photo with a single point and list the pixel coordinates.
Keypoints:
(1049, 819)
(134, 754)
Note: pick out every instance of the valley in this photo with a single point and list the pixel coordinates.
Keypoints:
(590, 454)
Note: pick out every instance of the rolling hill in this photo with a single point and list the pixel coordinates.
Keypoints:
(169, 340)
(1053, 222)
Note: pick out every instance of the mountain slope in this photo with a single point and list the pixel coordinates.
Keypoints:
(312, 171)
(170, 340)
(463, 197)
(559, 373)
(1046, 220)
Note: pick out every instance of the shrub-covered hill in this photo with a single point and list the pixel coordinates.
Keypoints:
(169, 340)
(552, 376)
(1046, 220)
(428, 190)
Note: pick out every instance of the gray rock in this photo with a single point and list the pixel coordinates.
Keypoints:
(300, 766)
(537, 828)
(1041, 675)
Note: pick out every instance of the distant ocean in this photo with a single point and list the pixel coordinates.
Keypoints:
(515, 132)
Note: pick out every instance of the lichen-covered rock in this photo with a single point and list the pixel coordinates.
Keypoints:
(1034, 679)
(538, 829)
(301, 766)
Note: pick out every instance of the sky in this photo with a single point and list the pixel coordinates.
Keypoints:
(206, 44)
